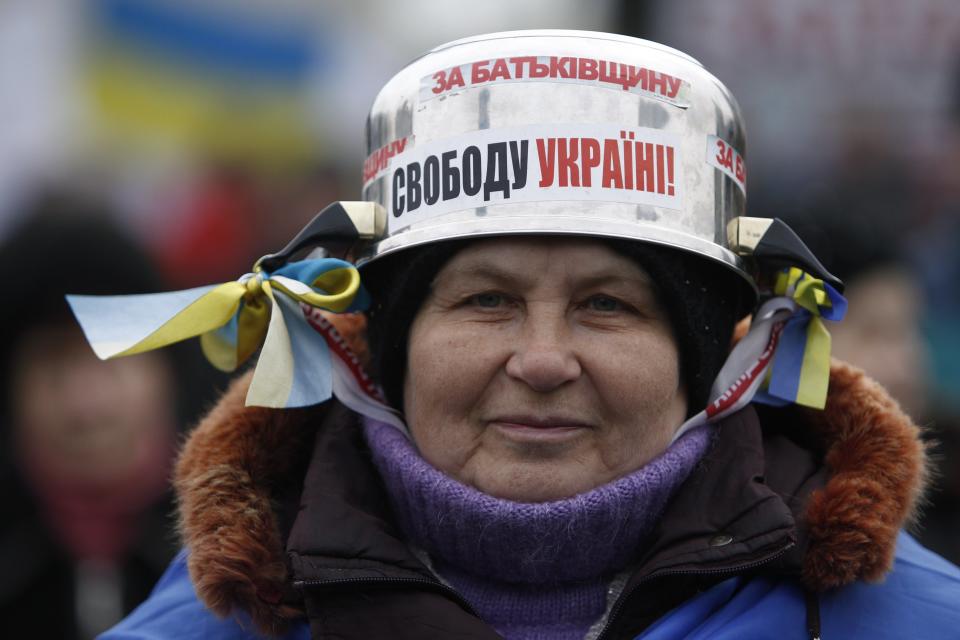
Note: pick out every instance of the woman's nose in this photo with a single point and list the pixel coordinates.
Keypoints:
(543, 358)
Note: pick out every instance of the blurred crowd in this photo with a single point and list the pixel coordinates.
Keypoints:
(157, 144)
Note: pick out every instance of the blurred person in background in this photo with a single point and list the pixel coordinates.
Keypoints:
(86, 445)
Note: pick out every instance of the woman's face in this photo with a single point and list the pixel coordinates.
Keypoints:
(540, 368)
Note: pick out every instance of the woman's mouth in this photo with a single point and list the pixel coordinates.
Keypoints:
(533, 428)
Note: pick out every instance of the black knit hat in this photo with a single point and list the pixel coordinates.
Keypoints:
(703, 301)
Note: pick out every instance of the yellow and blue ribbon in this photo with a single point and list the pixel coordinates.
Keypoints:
(233, 320)
(800, 372)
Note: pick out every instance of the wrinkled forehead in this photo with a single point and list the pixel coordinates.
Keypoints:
(528, 259)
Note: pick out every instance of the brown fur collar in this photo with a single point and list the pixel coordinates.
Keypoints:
(230, 462)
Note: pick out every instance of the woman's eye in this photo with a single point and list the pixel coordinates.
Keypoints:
(604, 303)
(487, 300)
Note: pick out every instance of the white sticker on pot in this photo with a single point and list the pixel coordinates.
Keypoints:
(379, 160)
(602, 163)
(607, 74)
(723, 156)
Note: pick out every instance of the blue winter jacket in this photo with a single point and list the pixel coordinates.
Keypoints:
(919, 599)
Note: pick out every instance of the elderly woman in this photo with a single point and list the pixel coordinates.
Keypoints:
(565, 444)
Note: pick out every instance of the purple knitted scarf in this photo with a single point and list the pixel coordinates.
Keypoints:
(531, 570)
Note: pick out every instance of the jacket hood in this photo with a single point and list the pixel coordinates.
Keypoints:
(241, 462)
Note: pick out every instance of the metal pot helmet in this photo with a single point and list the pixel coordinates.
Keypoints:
(564, 132)
(557, 132)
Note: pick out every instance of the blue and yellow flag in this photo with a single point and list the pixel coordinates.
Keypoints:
(228, 80)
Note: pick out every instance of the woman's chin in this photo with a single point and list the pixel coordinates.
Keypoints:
(531, 481)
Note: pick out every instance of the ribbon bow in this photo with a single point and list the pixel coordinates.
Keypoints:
(233, 320)
(785, 357)
(800, 372)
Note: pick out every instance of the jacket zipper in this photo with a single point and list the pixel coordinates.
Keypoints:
(614, 612)
(435, 584)
(618, 605)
